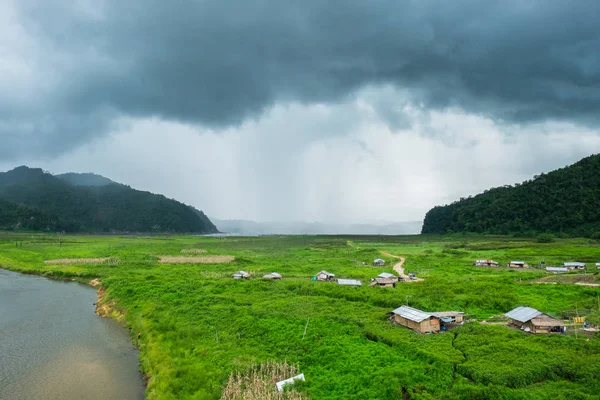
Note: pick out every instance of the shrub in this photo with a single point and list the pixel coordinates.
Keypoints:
(545, 238)
(596, 236)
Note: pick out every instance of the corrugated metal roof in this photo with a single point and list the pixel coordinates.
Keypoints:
(412, 313)
(447, 313)
(386, 275)
(574, 264)
(556, 269)
(523, 314)
(349, 282)
(282, 383)
(273, 275)
(384, 281)
(325, 273)
(597, 264)
(517, 262)
(379, 260)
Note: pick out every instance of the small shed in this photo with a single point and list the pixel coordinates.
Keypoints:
(417, 320)
(531, 320)
(273, 275)
(241, 275)
(387, 275)
(379, 262)
(598, 265)
(450, 317)
(325, 276)
(384, 282)
(349, 282)
(517, 264)
(574, 265)
(485, 263)
(556, 270)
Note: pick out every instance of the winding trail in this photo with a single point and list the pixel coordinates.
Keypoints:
(398, 267)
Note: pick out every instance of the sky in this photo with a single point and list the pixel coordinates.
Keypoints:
(276, 110)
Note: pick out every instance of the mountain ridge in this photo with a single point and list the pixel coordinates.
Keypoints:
(92, 203)
(566, 201)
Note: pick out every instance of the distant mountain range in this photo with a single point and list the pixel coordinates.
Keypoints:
(563, 201)
(244, 227)
(36, 200)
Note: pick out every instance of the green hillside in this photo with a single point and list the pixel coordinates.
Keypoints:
(81, 203)
(563, 201)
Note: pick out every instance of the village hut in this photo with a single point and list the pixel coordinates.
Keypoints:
(485, 263)
(349, 282)
(241, 275)
(517, 264)
(325, 276)
(557, 270)
(449, 319)
(272, 275)
(417, 320)
(598, 265)
(384, 282)
(531, 320)
(379, 262)
(574, 265)
(387, 275)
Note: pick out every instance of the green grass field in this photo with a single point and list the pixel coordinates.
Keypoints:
(197, 324)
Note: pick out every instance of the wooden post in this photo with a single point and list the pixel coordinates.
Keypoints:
(305, 328)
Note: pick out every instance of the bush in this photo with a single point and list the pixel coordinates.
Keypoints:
(545, 238)
(596, 236)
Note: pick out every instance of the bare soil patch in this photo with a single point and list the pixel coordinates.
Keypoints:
(195, 260)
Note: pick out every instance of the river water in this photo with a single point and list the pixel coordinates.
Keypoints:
(53, 345)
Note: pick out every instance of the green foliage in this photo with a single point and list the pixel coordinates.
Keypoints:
(351, 350)
(36, 200)
(545, 238)
(565, 200)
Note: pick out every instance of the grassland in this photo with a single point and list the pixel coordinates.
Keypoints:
(195, 325)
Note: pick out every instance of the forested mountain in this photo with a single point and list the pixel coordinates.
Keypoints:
(86, 179)
(89, 203)
(563, 201)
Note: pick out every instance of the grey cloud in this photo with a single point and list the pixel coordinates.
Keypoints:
(219, 63)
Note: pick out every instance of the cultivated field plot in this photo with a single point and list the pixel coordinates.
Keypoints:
(193, 251)
(195, 260)
(66, 261)
(202, 333)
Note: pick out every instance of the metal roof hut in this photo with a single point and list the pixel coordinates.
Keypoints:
(272, 275)
(556, 270)
(349, 282)
(384, 282)
(598, 265)
(379, 262)
(241, 275)
(517, 264)
(325, 276)
(417, 320)
(531, 320)
(574, 265)
(450, 317)
(387, 275)
(486, 263)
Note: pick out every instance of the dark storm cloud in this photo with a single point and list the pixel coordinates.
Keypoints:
(218, 63)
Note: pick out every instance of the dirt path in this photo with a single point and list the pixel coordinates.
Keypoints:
(398, 267)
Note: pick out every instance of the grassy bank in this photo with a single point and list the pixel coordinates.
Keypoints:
(196, 325)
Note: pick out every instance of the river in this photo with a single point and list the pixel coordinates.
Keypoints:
(54, 346)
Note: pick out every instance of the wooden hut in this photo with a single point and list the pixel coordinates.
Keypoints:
(273, 276)
(325, 276)
(517, 264)
(531, 320)
(379, 262)
(387, 275)
(384, 282)
(556, 270)
(574, 265)
(241, 275)
(417, 320)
